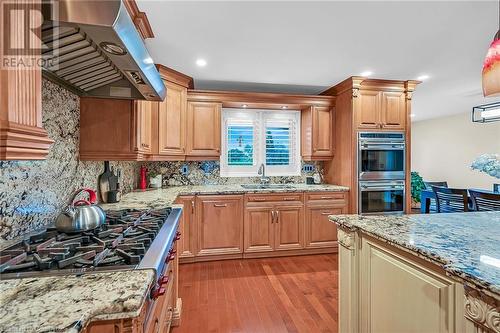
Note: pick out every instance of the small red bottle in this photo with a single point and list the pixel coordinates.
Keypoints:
(142, 181)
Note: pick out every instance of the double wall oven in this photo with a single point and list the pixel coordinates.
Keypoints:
(381, 172)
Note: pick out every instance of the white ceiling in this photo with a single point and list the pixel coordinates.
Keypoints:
(304, 47)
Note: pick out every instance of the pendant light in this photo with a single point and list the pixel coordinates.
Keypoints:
(491, 66)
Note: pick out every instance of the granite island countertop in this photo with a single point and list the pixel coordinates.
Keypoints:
(465, 245)
(165, 197)
(67, 303)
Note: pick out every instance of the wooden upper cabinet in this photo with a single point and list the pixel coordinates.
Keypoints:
(368, 113)
(116, 129)
(203, 130)
(172, 121)
(393, 110)
(220, 224)
(317, 133)
(381, 110)
(22, 136)
(144, 125)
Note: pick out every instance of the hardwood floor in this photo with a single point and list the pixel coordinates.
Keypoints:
(290, 294)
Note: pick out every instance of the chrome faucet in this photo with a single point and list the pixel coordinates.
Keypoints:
(262, 174)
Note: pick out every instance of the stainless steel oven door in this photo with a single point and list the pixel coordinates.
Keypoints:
(381, 160)
(381, 197)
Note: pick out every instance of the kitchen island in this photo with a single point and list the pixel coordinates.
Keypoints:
(419, 273)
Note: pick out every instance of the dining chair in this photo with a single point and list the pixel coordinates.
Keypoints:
(485, 201)
(432, 202)
(451, 200)
(429, 185)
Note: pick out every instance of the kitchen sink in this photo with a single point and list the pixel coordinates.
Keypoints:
(266, 186)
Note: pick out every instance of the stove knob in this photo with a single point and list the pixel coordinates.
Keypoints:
(163, 280)
(178, 236)
(157, 292)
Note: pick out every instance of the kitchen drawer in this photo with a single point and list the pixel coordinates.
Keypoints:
(286, 198)
(325, 197)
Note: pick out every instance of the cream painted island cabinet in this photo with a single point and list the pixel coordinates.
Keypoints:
(427, 273)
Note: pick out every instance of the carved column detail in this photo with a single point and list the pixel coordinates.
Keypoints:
(346, 239)
(483, 311)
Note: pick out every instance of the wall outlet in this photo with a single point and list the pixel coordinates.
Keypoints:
(308, 168)
(184, 169)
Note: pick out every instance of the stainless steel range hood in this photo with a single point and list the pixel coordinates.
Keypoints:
(94, 49)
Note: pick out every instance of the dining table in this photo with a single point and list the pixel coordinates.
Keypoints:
(427, 195)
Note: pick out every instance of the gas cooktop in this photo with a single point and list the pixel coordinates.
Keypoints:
(122, 242)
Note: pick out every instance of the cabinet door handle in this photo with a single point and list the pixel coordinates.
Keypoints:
(272, 216)
(192, 206)
(277, 216)
(220, 205)
(326, 213)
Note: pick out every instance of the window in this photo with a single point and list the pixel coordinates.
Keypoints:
(253, 137)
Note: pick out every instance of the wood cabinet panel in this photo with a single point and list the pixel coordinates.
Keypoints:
(172, 121)
(317, 133)
(391, 284)
(289, 228)
(22, 136)
(393, 110)
(203, 130)
(116, 129)
(368, 114)
(220, 224)
(319, 231)
(144, 125)
(323, 132)
(187, 243)
(259, 229)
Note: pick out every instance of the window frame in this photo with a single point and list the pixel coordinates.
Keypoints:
(259, 117)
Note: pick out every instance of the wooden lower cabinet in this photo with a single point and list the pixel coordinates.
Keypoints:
(217, 227)
(187, 227)
(289, 228)
(383, 289)
(259, 229)
(219, 224)
(320, 232)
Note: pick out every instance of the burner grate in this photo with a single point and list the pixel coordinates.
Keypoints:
(122, 240)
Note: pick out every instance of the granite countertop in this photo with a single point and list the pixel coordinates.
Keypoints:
(165, 197)
(68, 303)
(466, 245)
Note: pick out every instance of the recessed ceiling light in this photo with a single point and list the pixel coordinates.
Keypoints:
(412, 115)
(244, 105)
(201, 62)
(423, 77)
(284, 107)
(367, 73)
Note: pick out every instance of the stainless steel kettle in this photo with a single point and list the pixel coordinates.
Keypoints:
(81, 215)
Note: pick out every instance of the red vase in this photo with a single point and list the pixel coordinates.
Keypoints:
(142, 177)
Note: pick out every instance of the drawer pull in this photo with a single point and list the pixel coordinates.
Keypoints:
(289, 199)
(327, 213)
(259, 199)
(326, 198)
(220, 205)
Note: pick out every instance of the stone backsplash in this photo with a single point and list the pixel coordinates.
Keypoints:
(32, 193)
(207, 173)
